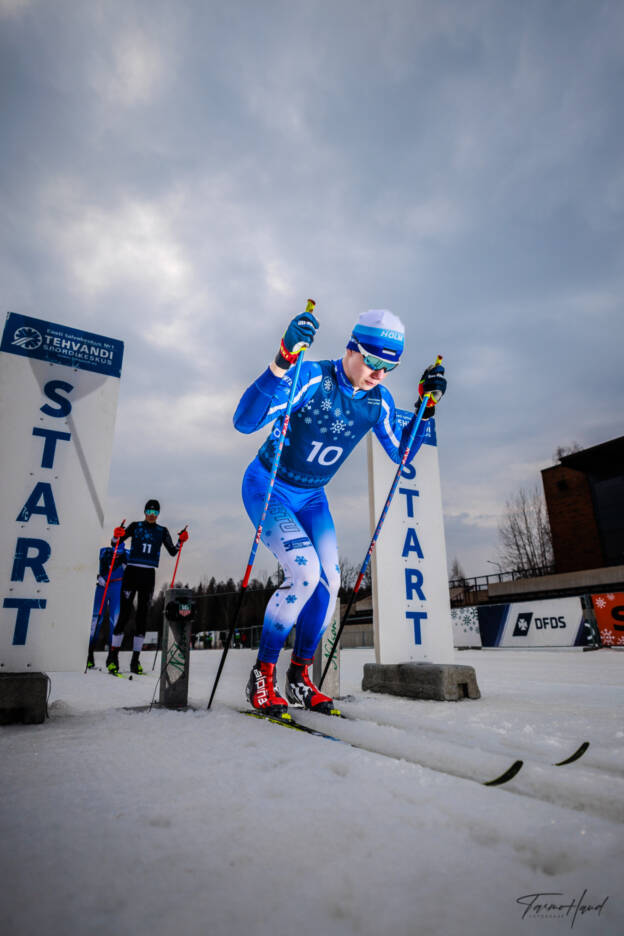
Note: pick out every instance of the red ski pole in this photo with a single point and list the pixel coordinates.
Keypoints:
(171, 586)
(179, 553)
(110, 572)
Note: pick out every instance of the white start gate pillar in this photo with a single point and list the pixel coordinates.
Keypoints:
(58, 401)
(411, 607)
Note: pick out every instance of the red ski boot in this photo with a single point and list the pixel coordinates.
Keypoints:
(263, 692)
(301, 691)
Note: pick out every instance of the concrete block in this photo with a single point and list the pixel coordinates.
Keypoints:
(444, 682)
(23, 698)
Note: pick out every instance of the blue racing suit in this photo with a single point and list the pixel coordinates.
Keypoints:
(113, 593)
(328, 418)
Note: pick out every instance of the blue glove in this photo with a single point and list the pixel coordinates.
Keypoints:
(432, 381)
(299, 335)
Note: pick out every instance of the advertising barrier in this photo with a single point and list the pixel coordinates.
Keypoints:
(609, 611)
(556, 622)
(58, 400)
(466, 631)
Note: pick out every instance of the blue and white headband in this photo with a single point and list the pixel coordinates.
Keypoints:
(381, 332)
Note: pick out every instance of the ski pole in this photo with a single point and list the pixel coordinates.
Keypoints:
(252, 556)
(171, 586)
(110, 572)
(178, 559)
(389, 498)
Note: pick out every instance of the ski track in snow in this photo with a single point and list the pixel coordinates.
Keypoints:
(474, 758)
(116, 819)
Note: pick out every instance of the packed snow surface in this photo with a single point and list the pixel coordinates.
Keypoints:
(119, 820)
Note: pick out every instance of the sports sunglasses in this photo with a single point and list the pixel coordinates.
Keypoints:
(374, 362)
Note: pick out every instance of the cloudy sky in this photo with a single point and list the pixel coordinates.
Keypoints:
(184, 175)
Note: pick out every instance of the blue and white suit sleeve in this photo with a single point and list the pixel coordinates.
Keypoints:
(393, 432)
(267, 397)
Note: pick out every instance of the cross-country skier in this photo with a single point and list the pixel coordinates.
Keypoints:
(139, 578)
(113, 593)
(335, 404)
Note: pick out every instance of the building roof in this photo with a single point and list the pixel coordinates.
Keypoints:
(608, 457)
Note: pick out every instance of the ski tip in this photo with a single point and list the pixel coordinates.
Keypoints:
(508, 774)
(573, 757)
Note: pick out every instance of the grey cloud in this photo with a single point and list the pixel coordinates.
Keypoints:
(185, 176)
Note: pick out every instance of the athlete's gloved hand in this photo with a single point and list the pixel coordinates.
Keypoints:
(299, 335)
(183, 536)
(101, 580)
(119, 532)
(433, 382)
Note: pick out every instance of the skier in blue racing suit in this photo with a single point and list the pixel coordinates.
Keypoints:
(113, 592)
(335, 404)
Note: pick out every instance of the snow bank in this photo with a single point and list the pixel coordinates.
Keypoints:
(119, 820)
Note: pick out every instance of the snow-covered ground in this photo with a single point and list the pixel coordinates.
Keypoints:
(117, 821)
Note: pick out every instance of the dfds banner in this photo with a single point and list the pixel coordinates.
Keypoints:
(58, 400)
(411, 607)
(557, 622)
(609, 611)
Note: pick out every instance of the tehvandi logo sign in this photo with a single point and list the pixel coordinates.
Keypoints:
(524, 619)
(27, 337)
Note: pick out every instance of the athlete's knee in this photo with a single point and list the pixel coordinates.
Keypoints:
(305, 571)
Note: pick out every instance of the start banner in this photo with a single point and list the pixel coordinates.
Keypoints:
(411, 605)
(58, 401)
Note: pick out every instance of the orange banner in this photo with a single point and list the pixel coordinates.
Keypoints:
(609, 610)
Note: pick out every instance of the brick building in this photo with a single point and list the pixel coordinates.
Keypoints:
(585, 501)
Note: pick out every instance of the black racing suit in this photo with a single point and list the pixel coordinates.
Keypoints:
(140, 575)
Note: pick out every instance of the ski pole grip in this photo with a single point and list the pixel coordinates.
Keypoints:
(438, 360)
(309, 308)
